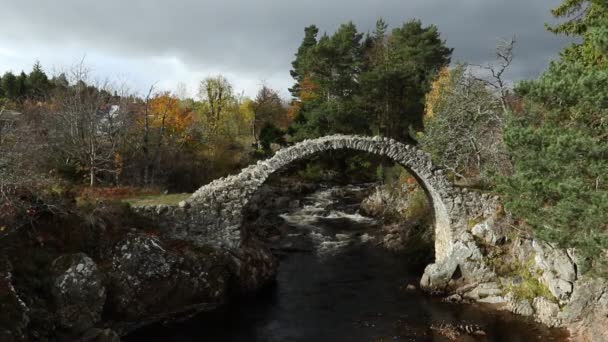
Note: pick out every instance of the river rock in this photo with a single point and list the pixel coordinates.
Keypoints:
(14, 318)
(486, 293)
(558, 270)
(586, 314)
(520, 306)
(464, 265)
(487, 232)
(546, 311)
(151, 280)
(78, 292)
(383, 200)
(100, 335)
(256, 267)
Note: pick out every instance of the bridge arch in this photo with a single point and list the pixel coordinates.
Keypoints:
(216, 209)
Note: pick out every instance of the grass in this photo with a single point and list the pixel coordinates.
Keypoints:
(134, 196)
(530, 286)
(145, 200)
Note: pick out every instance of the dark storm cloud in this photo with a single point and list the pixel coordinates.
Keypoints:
(258, 38)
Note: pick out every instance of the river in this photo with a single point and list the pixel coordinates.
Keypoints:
(335, 284)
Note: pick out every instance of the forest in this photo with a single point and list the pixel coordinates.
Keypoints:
(541, 144)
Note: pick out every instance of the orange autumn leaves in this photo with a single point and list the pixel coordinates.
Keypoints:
(167, 113)
(308, 92)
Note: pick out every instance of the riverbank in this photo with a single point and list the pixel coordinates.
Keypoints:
(116, 271)
(96, 273)
(338, 281)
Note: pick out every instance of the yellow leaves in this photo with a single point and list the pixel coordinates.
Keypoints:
(441, 83)
(246, 111)
(166, 111)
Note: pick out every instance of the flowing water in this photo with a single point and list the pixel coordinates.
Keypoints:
(335, 284)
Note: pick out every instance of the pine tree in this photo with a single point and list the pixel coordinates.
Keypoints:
(22, 86)
(399, 71)
(372, 85)
(9, 85)
(559, 141)
(38, 83)
(301, 64)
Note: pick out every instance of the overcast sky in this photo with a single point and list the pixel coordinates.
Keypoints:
(249, 41)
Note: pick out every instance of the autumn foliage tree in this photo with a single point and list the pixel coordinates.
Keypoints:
(463, 126)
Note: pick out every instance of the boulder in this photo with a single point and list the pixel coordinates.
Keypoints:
(586, 314)
(464, 265)
(558, 270)
(78, 292)
(150, 280)
(546, 311)
(486, 292)
(256, 267)
(519, 306)
(487, 232)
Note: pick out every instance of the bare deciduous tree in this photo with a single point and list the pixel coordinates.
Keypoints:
(86, 128)
(464, 133)
(496, 71)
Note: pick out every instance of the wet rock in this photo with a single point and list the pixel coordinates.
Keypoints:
(455, 298)
(150, 280)
(100, 335)
(14, 314)
(366, 238)
(483, 291)
(78, 292)
(453, 331)
(493, 300)
(256, 267)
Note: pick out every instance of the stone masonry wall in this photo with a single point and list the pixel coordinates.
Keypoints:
(213, 214)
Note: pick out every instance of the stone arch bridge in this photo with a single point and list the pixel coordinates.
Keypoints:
(214, 213)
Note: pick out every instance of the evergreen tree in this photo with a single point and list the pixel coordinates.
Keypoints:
(270, 134)
(399, 71)
(9, 86)
(330, 93)
(372, 85)
(22, 86)
(559, 141)
(38, 83)
(301, 63)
